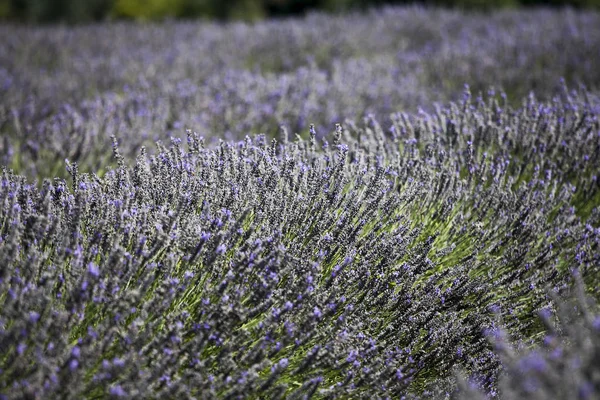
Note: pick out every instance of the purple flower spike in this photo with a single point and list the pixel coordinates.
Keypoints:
(93, 270)
(117, 391)
(317, 312)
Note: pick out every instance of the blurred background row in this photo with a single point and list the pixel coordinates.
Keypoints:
(78, 11)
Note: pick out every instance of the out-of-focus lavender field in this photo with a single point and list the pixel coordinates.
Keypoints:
(64, 91)
(399, 204)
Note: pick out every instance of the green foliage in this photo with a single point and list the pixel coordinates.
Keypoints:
(148, 9)
(4, 8)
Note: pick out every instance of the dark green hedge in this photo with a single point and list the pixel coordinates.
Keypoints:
(95, 10)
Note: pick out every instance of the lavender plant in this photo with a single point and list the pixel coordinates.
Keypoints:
(361, 265)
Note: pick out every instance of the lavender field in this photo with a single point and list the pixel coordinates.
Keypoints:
(396, 204)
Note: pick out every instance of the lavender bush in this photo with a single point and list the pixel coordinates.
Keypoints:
(367, 266)
(368, 258)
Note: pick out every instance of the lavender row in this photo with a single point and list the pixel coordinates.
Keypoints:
(65, 91)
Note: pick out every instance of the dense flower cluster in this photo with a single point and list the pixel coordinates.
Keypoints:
(387, 255)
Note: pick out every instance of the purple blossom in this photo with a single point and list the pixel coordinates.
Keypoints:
(34, 316)
(93, 270)
(117, 391)
(317, 312)
(221, 249)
